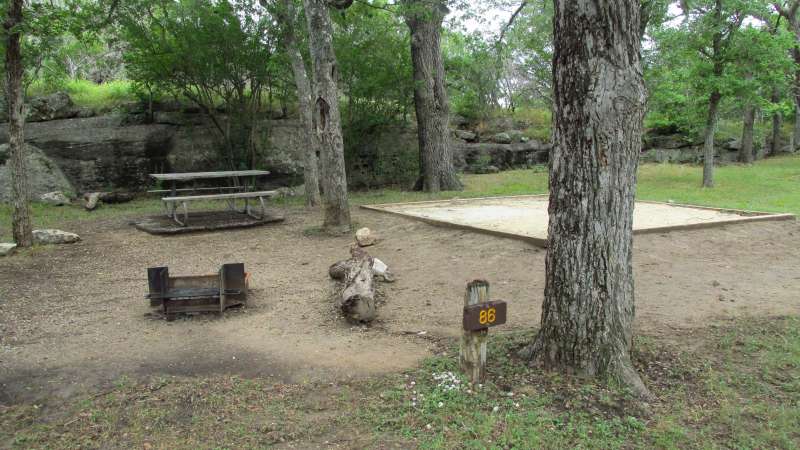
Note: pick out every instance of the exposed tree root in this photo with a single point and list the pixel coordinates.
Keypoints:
(622, 370)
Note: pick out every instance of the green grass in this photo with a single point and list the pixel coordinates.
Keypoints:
(85, 93)
(768, 185)
(771, 185)
(731, 387)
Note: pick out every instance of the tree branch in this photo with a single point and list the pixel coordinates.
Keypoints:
(340, 4)
(511, 21)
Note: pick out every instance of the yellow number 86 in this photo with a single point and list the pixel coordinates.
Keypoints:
(487, 316)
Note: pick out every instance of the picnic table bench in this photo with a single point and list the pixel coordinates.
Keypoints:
(236, 192)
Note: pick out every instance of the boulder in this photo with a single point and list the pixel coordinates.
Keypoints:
(84, 113)
(365, 237)
(732, 144)
(501, 138)
(515, 135)
(44, 175)
(53, 236)
(7, 249)
(667, 141)
(466, 135)
(92, 200)
(457, 120)
(690, 155)
(51, 107)
(55, 198)
(478, 157)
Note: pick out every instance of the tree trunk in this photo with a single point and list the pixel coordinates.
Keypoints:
(424, 19)
(717, 59)
(21, 214)
(588, 310)
(746, 148)
(326, 117)
(708, 143)
(777, 119)
(796, 134)
(310, 163)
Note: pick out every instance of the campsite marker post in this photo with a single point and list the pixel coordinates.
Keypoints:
(479, 314)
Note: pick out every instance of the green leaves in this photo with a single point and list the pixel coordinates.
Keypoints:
(732, 46)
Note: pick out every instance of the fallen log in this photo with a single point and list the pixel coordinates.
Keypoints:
(357, 297)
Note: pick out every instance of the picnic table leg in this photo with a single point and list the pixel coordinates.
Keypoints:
(174, 193)
(263, 210)
(185, 214)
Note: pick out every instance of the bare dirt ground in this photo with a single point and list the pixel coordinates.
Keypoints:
(74, 317)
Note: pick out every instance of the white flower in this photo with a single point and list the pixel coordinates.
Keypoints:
(495, 409)
(428, 426)
(440, 404)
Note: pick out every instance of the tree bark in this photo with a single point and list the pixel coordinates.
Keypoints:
(714, 98)
(796, 135)
(357, 298)
(777, 121)
(708, 142)
(746, 148)
(588, 311)
(304, 95)
(21, 214)
(326, 116)
(789, 11)
(424, 20)
(796, 91)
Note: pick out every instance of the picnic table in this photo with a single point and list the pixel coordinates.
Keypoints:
(244, 191)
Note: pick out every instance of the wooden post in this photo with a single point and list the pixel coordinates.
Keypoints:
(472, 355)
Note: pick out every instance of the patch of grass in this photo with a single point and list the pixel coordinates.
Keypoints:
(538, 121)
(734, 387)
(85, 93)
(768, 185)
(46, 216)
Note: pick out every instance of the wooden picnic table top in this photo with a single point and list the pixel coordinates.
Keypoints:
(201, 175)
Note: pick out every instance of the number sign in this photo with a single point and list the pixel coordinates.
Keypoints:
(484, 315)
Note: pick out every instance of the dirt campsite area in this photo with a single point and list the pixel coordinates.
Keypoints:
(74, 317)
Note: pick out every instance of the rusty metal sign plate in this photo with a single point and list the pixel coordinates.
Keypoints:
(485, 315)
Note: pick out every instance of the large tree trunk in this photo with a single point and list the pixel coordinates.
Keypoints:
(588, 309)
(304, 95)
(21, 214)
(327, 120)
(708, 142)
(746, 148)
(424, 19)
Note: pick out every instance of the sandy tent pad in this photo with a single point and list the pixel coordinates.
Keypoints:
(525, 216)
